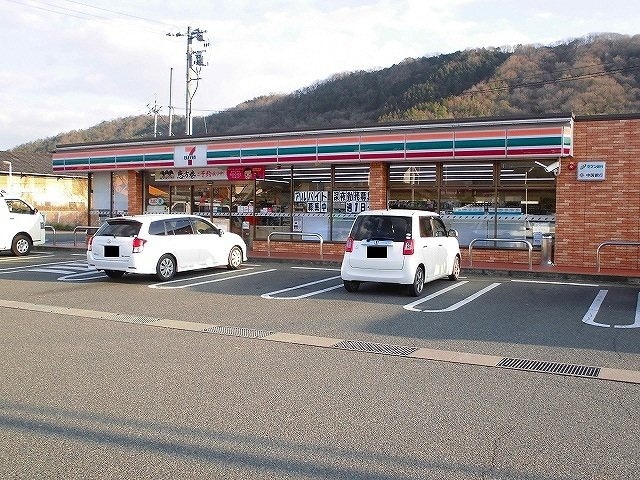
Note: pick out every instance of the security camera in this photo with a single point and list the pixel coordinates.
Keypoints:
(553, 168)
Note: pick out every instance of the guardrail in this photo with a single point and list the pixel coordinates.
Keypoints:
(50, 227)
(619, 243)
(510, 240)
(303, 234)
(82, 228)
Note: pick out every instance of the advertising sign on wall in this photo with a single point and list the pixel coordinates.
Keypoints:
(591, 171)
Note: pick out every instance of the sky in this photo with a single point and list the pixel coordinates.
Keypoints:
(69, 65)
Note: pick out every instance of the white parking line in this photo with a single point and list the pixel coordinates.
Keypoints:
(455, 306)
(324, 269)
(549, 282)
(636, 323)
(410, 306)
(163, 285)
(23, 268)
(309, 294)
(24, 258)
(593, 310)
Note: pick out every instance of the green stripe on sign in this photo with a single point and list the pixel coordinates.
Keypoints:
(77, 161)
(337, 148)
(439, 145)
(158, 156)
(296, 150)
(130, 158)
(485, 143)
(102, 160)
(223, 154)
(259, 152)
(533, 141)
(381, 147)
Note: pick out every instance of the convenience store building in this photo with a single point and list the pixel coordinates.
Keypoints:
(513, 179)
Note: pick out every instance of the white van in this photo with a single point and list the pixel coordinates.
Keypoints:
(21, 225)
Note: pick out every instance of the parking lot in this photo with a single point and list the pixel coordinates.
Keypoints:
(582, 323)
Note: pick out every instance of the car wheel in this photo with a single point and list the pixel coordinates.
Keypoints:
(455, 271)
(235, 258)
(415, 289)
(114, 273)
(166, 268)
(351, 285)
(21, 245)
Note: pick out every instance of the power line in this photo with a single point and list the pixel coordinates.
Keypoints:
(84, 15)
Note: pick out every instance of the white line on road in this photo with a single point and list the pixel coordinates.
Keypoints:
(593, 310)
(316, 292)
(548, 282)
(410, 306)
(463, 302)
(318, 268)
(163, 285)
(636, 323)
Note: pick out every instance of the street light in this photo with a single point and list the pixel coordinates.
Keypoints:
(7, 162)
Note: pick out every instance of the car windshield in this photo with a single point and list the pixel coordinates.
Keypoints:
(119, 228)
(381, 227)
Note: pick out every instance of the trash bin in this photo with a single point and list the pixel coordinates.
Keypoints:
(546, 250)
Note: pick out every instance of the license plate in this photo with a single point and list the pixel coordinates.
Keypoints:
(111, 251)
(376, 252)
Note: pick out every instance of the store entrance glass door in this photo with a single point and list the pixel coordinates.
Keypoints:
(242, 209)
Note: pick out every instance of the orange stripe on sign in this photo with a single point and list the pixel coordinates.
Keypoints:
(482, 134)
(512, 132)
(225, 146)
(382, 138)
(338, 140)
(265, 143)
(429, 136)
(306, 142)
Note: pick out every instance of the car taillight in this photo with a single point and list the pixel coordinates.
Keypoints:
(407, 248)
(89, 243)
(138, 245)
(348, 248)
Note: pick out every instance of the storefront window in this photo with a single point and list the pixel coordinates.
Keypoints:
(100, 197)
(180, 199)
(468, 174)
(157, 196)
(120, 198)
(273, 200)
(516, 203)
(311, 187)
(350, 196)
(413, 187)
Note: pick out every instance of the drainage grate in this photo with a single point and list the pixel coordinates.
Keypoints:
(128, 318)
(550, 367)
(374, 348)
(238, 332)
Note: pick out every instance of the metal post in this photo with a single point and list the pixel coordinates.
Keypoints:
(187, 111)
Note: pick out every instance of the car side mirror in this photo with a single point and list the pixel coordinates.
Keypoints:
(452, 233)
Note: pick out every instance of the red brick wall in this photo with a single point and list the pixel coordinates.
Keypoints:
(378, 185)
(589, 213)
(135, 192)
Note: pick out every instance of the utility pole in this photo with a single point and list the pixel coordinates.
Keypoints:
(155, 109)
(195, 62)
(170, 104)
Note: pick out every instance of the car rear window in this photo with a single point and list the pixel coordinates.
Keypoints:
(381, 227)
(119, 228)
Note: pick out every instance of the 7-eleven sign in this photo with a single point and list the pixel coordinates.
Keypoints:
(190, 156)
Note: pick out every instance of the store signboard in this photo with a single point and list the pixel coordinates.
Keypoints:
(315, 201)
(209, 174)
(593, 171)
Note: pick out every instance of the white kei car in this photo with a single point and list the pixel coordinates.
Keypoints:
(162, 245)
(408, 247)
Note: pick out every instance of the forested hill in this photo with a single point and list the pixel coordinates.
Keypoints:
(598, 74)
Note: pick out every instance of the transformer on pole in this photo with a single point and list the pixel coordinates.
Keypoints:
(195, 62)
